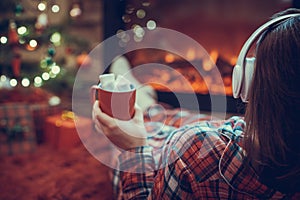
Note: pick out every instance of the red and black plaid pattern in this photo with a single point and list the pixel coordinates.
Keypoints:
(17, 132)
(161, 122)
(204, 161)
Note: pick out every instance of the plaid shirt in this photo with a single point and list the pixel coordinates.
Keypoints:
(203, 160)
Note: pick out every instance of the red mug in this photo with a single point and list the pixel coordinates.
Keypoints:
(117, 104)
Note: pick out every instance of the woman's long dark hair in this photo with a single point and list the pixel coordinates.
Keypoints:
(272, 138)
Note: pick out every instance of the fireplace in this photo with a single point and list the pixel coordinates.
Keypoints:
(181, 80)
(221, 27)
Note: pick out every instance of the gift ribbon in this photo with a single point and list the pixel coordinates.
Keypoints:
(68, 115)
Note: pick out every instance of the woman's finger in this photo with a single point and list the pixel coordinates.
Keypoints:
(103, 118)
(98, 129)
(138, 115)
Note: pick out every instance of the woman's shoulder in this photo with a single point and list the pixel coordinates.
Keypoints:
(200, 145)
(212, 129)
(205, 136)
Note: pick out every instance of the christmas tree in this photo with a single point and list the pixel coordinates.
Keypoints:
(37, 48)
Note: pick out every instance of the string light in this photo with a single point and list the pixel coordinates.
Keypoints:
(3, 78)
(22, 30)
(55, 38)
(13, 82)
(22, 41)
(25, 82)
(126, 18)
(122, 44)
(129, 9)
(125, 38)
(55, 8)
(75, 10)
(33, 43)
(42, 20)
(55, 69)
(52, 75)
(46, 76)
(54, 100)
(3, 81)
(137, 39)
(146, 3)
(52, 70)
(140, 13)
(38, 81)
(139, 31)
(3, 40)
(135, 14)
(121, 33)
(151, 25)
(42, 6)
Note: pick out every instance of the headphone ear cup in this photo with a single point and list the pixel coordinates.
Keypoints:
(237, 78)
(247, 81)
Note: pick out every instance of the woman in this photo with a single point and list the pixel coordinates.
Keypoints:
(253, 158)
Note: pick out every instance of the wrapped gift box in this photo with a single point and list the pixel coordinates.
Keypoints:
(39, 113)
(17, 131)
(35, 101)
(61, 132)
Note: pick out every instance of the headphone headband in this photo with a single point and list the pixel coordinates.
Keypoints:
(239, 76)
(257, 33)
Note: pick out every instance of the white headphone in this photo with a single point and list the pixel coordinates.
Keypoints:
(244, 68)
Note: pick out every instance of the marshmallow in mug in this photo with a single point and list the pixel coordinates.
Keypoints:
(108, 82)
(122, 84)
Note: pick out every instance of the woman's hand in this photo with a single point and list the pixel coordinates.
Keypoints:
(124, 134)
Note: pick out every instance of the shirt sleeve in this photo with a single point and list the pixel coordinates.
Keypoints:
(137, 171)
(173, 179)
(140, 180)
(181, 159)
